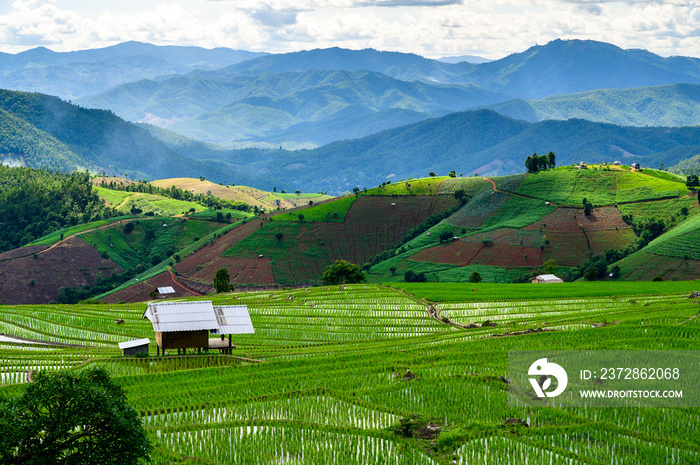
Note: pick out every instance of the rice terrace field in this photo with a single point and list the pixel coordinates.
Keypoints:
(396, 373)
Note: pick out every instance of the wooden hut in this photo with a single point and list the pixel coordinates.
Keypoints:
(184, 325)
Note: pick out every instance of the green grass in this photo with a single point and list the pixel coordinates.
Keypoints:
(423, 186)
(633, 187)
(666, 210)
(211, 214)
(448, 292)
(665, 175)
(330, 211)
(471, 185)
(55, 236)
(307, 196)
(518, 212)
(159, 205)
(113, 197)
(681, 241)
(568, 187)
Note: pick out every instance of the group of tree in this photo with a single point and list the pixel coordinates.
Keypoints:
(343, 272)
(412, 277)
(535, 162)
(34, 203)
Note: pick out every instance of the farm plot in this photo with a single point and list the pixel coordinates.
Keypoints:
(464, 253)
(471, 186)
(518, 212)
(644, 266)
(371, 226)
(601, 219)
(252, 270)
(478, 209)
(36, 278)
(601, 241)
(567, 248)
(191, 264)
(348, 369)
(509, 183)
(141, 290)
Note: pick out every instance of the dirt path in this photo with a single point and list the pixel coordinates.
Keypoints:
(430, 308)
(177, 283)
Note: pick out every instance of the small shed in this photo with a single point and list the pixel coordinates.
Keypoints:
(617, 163)
(166, 290)
(134, 347)
(547, 278)
(582, 165)
(184, 325)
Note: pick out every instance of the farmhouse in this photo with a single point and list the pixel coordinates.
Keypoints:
(183, 325)
(546, 278)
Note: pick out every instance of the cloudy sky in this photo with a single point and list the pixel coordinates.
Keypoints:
(433, 28)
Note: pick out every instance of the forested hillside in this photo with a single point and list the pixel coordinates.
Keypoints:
(45, 131)
(34, 203)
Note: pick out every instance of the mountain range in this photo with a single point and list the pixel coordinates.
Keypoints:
(71, 75)
(299, 100)
(333, 119)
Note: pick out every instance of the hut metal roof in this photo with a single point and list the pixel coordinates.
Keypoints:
(169, 317)
(233, 319)
(134, 343)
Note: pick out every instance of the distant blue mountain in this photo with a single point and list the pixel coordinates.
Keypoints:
(71, 75)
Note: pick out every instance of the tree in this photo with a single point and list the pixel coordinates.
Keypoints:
(551, 158)
(343, 272)
(542, 162)
(692, 180)
(279, 236)
(591, 274)
(459, 194)
(301, 217)
(222, 281)
(356, 190)
(432, 174)
(452, 174)
(550, 266)
(392, 270)
(587, 208)
(532, 163)
(446, 236)
(71, 418)
(128, 228)
(475, 277)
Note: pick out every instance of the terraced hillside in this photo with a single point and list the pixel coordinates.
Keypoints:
(365, 374)
(525, 220)
(295, 247)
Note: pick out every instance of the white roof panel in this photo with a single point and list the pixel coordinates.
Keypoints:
(233, 319)
(166, 290)
(134, 343)
(181, 316)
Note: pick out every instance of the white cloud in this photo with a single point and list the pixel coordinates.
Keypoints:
(491, 28)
